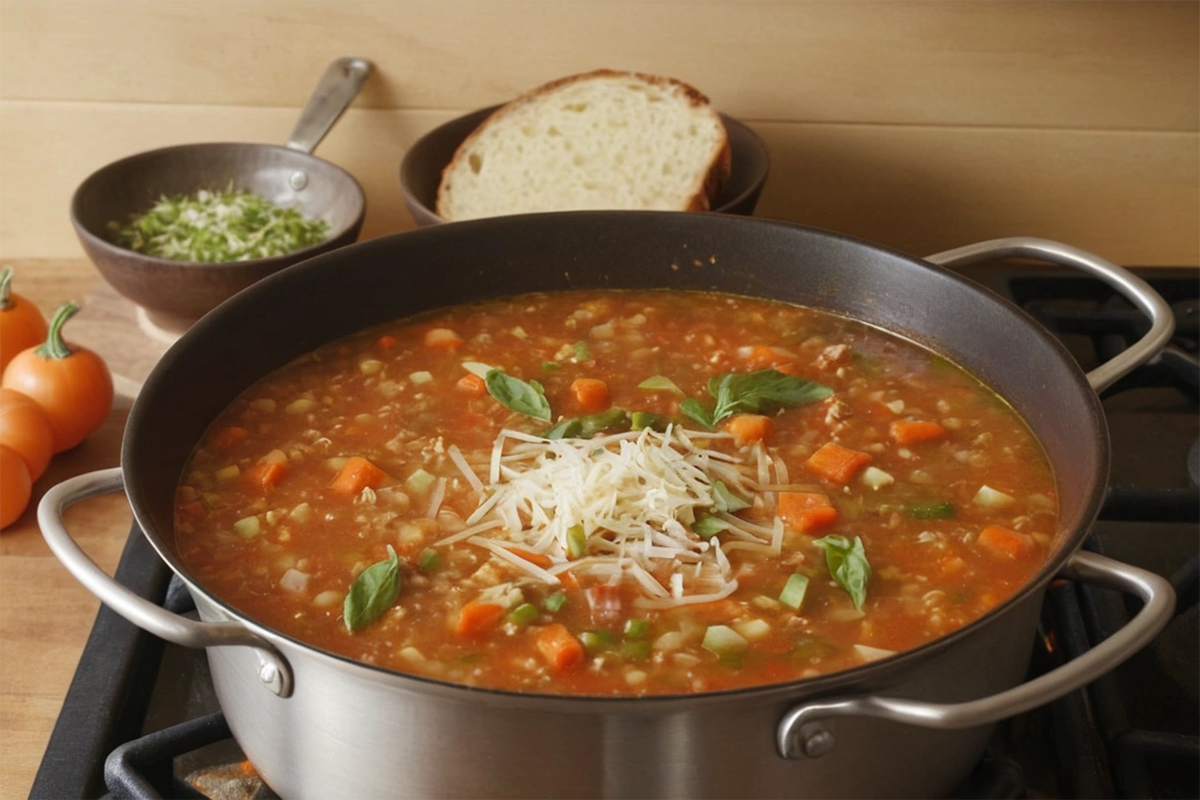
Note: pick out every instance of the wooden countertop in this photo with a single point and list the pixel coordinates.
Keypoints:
(45, 615)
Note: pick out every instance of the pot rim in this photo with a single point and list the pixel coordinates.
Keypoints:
(868, 675)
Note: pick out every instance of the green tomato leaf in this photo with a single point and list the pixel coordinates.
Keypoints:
(726, 500)
(524, 398)
(847, 563)
(372, 593)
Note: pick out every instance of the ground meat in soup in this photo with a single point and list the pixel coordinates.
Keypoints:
(617, 493)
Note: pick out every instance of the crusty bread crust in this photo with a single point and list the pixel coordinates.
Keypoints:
(714, 179)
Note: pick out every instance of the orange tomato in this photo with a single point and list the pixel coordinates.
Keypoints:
(25, 428)
(21, 323)
(15, 486)
(71, 383)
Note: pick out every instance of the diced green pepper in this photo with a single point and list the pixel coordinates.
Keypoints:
(523, 614)
(555, 601)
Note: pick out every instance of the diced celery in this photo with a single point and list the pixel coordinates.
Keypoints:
(595, 641)
(576, 541)
(429, 560)
(637, 629)
(247, 527)
(723, 640)
(420, 481)
(523, 614)
(226, 474)
(555, 601)
(794, 591)
(752, 629)
(301, 512)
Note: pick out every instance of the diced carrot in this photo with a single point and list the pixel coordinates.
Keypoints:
(590, 393)
(265, 474)
(569, 582)
(477, 618)
(357, 474)
(537, 559)
(225, 438)
(559, 647)
(749, 427)
(1003, 543)
(763, 357)
(806, 512)
(387, 342)
(906, 432)
(442, 337)
(877, 410)
(838, 464)
(472, 384)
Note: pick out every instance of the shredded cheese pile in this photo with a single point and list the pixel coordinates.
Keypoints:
(636, 496)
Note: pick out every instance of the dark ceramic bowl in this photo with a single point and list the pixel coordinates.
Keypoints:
(421, 169)
(186, 290)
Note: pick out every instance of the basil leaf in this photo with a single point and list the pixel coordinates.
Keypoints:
(660, 383)
(847, 563)
(693, 409)
(708, 527)
(761, 392)
(726, 500)
(524, 398)
(372, 593)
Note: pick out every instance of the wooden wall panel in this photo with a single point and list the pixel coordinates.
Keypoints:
(1113, 65)
(1130, 196)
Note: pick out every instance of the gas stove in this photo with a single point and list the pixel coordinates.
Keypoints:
(141, 719)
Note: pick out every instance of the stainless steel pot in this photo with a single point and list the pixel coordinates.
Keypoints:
(319, 725)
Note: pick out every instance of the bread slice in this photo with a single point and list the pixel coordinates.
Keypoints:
(601, 139)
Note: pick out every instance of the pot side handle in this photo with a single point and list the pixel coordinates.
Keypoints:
(801, 732)
(1136, 290)
(274, 671)
(337, 89)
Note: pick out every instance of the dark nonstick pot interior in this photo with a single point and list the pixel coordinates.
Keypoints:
(336, 294)
(290, 178)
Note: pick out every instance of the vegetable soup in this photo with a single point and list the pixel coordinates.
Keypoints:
(617, 493)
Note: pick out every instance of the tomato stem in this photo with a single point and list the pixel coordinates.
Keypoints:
(54, 346)
(6, 275)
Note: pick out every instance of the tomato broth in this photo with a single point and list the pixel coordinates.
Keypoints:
(617, 493)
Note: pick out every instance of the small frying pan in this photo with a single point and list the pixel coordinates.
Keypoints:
(175, 293)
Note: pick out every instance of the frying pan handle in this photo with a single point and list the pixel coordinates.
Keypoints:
(1136, 290)
(333, 95)
(274, 670)
(801, 732)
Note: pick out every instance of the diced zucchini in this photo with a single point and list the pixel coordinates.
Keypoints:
(641, 420)
(723, 641)
(227, 474)
(752, 629)
(637, 629)
(248, 527)
(523, 614)
(420, 481)
(794, 591)
(991, 498)
(576, 541)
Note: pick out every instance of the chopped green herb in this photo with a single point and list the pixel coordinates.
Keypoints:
(218, 226)
(555, 602)
(708, 527)
(794, 591)
(372, 593)
(523, 614)
(576, 541)
(847, 563)
(582, 353)
(726, 500)
(942, 510)
(429, 560)
(524, 398)
(759, 392)
(660, 383)
(637, 629)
